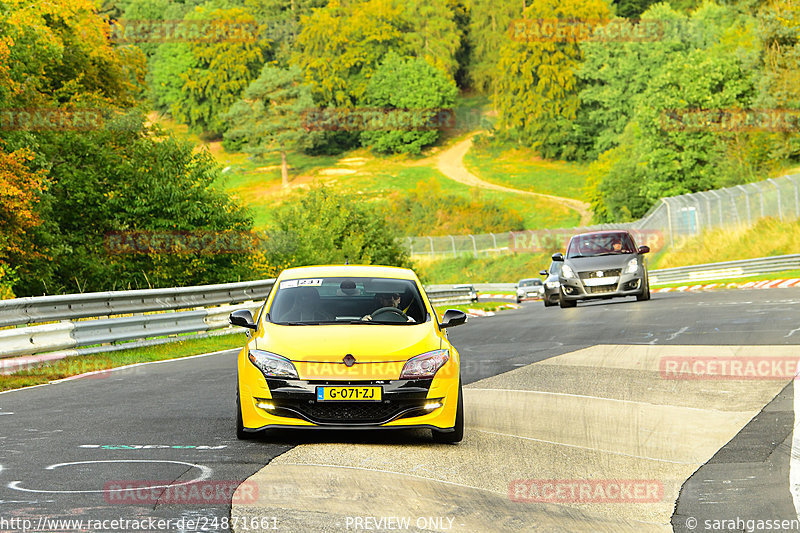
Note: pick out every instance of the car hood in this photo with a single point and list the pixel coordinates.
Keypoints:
(602, 262)
(367, 343)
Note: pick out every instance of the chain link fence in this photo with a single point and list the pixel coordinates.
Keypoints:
(670, 222)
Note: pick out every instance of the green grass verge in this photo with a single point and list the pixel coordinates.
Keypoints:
(521, 168)
(508, 268)
(72, 366)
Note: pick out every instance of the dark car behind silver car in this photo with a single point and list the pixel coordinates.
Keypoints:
(602, 264)
(551, 283)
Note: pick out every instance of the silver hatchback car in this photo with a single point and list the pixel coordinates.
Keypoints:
(602, 264)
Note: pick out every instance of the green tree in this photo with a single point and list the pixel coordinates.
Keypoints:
(270, 116)
(126, 178)
(220, 69)
(326, 227)
(341, 45)
(616, 72)
(411, 92)
(664, 151)
(59, 52)
(20, 191)
(487, 32)
(435, 35)
(537, 86)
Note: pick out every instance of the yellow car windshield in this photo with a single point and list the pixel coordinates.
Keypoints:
(337, 300)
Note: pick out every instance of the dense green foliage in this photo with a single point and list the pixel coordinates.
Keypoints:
(537, 86)
(427, 210)
(416, 87)
(582, 80)
(270, 116)
(325, 227)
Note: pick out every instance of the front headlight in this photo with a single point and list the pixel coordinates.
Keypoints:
(272, 365)
(567, 272)
(632, 266)
(552, 284)
(425, 365)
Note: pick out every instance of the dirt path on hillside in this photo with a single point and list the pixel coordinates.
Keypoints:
(451, 163)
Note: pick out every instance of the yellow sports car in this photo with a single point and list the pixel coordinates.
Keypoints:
(349, 347)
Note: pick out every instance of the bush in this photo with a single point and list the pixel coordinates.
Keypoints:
(411, 85)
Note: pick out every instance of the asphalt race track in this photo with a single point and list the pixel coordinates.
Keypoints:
(568, 397)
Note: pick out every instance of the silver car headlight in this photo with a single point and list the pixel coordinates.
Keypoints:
(272, 365)
(567, 272)
(552, 284)
(632, 266)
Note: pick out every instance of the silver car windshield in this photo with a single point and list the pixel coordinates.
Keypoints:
(338, 300)
(596, 244)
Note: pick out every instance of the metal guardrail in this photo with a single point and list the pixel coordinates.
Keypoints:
(727, 269)
(688, 274)
(156, 316)
(37, 309)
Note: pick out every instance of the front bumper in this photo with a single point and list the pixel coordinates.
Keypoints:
(579, 289)
(293, 403)
(530, 295)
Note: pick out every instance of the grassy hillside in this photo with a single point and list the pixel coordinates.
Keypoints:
(257, 183)
(767, 237)
(521, 168)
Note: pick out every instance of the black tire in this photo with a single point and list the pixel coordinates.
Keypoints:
(241, 434)
(645, 291)
(547, 302)
(564, 303)
(519, 301)
(458, 429)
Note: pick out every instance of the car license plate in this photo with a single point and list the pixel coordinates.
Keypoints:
(349, 394)
(595, 282)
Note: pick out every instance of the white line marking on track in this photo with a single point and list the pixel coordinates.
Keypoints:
(791, 332)
(682, 330)
(205, 473)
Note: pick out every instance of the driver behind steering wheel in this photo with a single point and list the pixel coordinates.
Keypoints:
(388, 299)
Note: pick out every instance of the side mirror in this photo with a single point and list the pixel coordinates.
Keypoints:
(558, 256)
(453, 317)
(242, 318)
(543, 272)
(644, 249)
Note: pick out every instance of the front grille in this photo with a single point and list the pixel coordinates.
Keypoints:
(350, 412)
(601, 289)
(592, 274)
